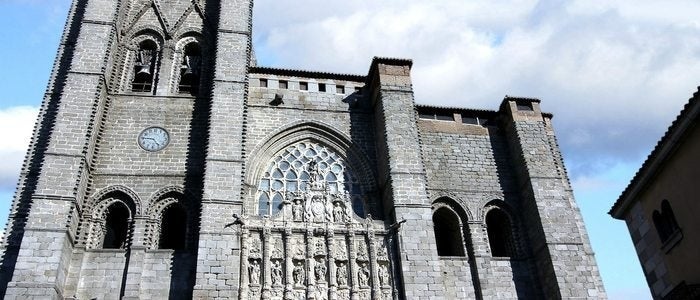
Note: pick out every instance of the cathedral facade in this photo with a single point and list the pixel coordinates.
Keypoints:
(166, 164)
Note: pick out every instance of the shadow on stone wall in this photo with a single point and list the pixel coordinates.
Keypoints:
(183, 266)
(524, 269)
(29, 179)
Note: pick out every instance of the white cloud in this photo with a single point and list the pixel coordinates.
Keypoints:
(614, 73)
(16, 124)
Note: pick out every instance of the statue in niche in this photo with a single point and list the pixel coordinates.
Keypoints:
(297, 210)
(320, 270)
(338, 213)
(342, 274)
(363, 275)
(254, 272)
(277, 273)
(383, 275)
(298, 273)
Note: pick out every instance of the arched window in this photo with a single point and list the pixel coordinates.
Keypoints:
(500, 232)
(144, 67)
(290, 171)
(665, 221)
(448, 232)
(190, 70)
(117, 225)
(173, 228)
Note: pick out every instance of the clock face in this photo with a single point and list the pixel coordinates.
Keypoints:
(153, 139)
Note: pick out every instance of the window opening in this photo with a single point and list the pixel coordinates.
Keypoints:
(116, 226)
(474, 120)
(665, 222)
(173, 228)
(190, 70)
(144, 67)
(340, 89)
(321, 87)
(304, 86)
(500, 234)
(436, 115)
(289, 172)
(524, 106)
(263, 82)
(448, 233)
(284, 84)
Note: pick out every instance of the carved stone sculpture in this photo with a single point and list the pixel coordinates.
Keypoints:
(383, 275)
(277, 273)
(342, 274)
(320, 270)
(363, 275)
(297, 211)
(338, 213)
(254, 272)
(298, 274)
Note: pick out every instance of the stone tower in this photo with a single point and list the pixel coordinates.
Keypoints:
(165, 164)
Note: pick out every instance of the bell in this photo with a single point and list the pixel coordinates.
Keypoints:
(191, 64)
(144, 69)
(188, 70)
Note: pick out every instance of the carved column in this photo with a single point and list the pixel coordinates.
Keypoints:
(289, 264)
(309, 260)
(352, 264)
(330, 261)
(373, 266)
(266, 267)
(243, 288)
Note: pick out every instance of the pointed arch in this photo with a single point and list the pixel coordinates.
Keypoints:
(450, 226)
(174, 216)
(111, 219)
(99, 196)
(501, 229)
(188, 62)
(665, 222)
(312, 133)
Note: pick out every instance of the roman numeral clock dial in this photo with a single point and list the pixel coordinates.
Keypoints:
(154, 139)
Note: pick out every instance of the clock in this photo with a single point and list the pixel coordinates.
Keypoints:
(153, 139)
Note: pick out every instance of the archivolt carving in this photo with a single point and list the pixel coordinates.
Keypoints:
(449, 199)
(100, 195)
(93, 221)
(160, 201)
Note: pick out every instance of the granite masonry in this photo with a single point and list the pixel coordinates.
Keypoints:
(166, 164)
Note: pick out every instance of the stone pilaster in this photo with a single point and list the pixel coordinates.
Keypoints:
(402, 177)
(56, 175)
(221, 188)
(560, 246)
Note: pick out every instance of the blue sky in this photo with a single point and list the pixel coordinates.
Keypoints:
(614, 74)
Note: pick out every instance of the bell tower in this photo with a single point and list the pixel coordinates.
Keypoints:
(140, 135)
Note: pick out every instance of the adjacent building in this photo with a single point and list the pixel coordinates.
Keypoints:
(661, 209)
